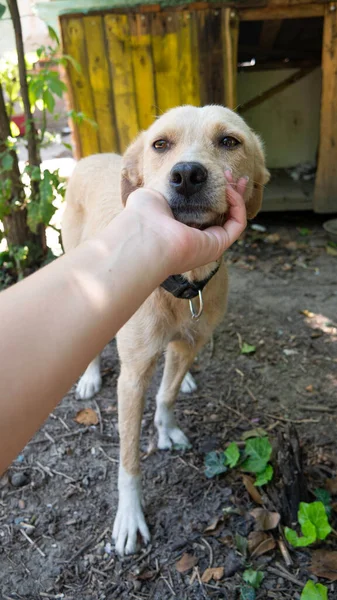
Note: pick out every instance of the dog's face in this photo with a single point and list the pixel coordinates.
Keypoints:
(184, 155)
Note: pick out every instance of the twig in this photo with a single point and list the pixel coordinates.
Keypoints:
(284, 551)
(113, 460)
(235, 412)
(63, 475)
(210, 549)
(168, 585)
(188, 464)
(251, 394)
(316, 408)
(49, 437)
(80, 550)
(99, 418)
(29, 539)
(278, 418)
(45, 469)
(284, 573)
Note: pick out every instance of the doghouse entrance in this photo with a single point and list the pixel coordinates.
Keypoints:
(279, 94)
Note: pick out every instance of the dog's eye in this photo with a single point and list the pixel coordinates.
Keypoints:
(160, 145)
(229, 142)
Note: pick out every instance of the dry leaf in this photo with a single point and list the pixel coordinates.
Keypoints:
(307, 313)
(251, 489)
(86, 416)
(331, 485)
(272, 238)
(309, 388)
(227, 541)
(265, 519)
(216, 573)
(259, 543)
(215, 525)
(257, 432)
(186, 563)
(324, 564)
(331, 251)
(291, 246)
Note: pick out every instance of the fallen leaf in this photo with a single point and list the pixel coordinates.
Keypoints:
(272, 238)
(145, 575)
(186, 563)
(309, 388)
(86, 416)
(307, 313)
(214, 526)
(265, 520)
(216, 573)
(247, 348)
(331, 251)
(259, 543)
(324, 564)
(291, 246)
(331, 485)
(257, 432)
(251, 489)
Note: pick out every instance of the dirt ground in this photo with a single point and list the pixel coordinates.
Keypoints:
(58, 499)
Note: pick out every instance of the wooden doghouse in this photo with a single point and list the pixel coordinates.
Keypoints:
(137, 60)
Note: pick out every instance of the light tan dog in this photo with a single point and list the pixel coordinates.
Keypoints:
(183, 155)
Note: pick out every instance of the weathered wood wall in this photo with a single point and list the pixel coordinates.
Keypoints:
(135, 66)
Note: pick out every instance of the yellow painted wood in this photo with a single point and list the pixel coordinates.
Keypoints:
(100, 83)
(165, 58)
(120, 59)
(188, 59)
(74, 44)
(143, 69)
(228, 58)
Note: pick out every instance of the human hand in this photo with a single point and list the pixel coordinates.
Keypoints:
(183, 247)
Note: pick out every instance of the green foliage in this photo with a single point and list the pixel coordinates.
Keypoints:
(265, 476)
(253, 578)
(2, 10)
(258, 452)
(214, 464)
(325, 497)
(314, 525)
(232, 455)
(42, 209)
(247, 348)
(314, 591)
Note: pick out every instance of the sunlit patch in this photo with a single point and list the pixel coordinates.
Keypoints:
(321, 323)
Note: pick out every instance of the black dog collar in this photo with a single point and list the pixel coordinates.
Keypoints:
(180, 287)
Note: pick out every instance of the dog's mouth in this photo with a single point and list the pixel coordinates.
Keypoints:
(201, 219)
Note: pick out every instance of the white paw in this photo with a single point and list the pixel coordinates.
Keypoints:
(89, 384)
(130, 518)
(171, 436)
(188, 384)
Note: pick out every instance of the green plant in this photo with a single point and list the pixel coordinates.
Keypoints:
(314, 591)
(314, 525)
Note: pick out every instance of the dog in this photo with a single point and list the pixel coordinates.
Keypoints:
(183, 155)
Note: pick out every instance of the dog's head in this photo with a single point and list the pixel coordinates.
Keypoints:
(184, 155)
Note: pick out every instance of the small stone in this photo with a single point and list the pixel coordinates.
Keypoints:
(21, 504)
(19, 479)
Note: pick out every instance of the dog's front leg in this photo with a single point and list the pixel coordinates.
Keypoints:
(130, 520)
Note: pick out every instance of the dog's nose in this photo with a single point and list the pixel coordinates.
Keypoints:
(187, 178)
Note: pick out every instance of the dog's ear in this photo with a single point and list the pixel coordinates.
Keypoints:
(132, 168)
(260, 178)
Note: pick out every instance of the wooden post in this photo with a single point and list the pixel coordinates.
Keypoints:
(230, 37)
(325, 197)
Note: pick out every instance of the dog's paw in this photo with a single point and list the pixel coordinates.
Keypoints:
(128, 523)
(188, 385)
(89, 384)
(172, 436)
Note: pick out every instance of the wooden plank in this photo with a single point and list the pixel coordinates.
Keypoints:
(325, 198)
(267, 13)
(188, 59)
(230, 37)
(120, 60)
(166, 60)
(100, 83)
(201, 17)
(74, 44)
(211, 56)
(141, 51)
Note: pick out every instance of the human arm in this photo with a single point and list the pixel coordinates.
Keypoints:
(54, 322)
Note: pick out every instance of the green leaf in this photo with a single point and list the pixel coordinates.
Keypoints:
(304, 231)
(232, 454)
(265, 476)
(48, 100)
(7, 162)
(254, 578)
(312, 591)
(247, 348)
(2, 10)
(214, 464)
(325, 497)
(258, 452)
(247, 593)
(57, 87)
(241, 544)
(316, 514)
(53, 35)
(73, 62)
(314, 525)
